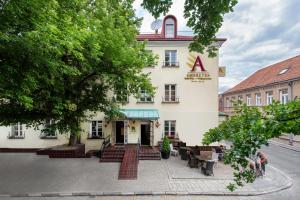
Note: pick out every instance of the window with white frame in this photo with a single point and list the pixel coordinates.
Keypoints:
(170, 128)
(17, 131)
(240, 98)
(145, 96)
(269, 97)
(96, 129)
(258, 99)
(249, 99)
(284, 96)
(48, 132)
(170, 58)
(227, 102)
(170, 93)
(232, 101)
(170, 28)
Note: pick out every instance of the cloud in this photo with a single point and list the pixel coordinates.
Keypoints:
(259, 33)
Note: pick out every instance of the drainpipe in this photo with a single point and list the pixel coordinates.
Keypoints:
(291, 135)
(290, 84)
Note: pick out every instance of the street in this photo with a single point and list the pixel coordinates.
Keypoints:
(287, 161)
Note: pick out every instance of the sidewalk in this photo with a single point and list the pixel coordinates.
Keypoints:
(283, 141)
(32, 175)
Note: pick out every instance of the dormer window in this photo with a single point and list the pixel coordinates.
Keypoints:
(283, 71)
(170, 28)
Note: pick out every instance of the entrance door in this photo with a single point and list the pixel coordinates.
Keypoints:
(120, 132)
(145, 134)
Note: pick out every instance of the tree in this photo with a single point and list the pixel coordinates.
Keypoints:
(64, 60)
(60, 59)
(249, 129)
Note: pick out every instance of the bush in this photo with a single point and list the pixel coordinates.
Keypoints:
(166, 145)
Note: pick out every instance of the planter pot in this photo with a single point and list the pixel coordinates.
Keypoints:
(165, 155)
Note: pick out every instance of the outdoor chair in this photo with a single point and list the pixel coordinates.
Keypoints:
(208, 168)
(173, 151)
(215, 158)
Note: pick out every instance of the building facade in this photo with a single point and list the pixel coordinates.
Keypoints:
(185, 104)
(277, 82)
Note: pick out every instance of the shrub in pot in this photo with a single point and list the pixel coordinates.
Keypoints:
(165, 150)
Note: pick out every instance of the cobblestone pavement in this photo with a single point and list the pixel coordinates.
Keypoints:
(31, 174)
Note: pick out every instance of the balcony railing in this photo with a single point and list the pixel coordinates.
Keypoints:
(14, 136)
(170, 99)
(170, 64)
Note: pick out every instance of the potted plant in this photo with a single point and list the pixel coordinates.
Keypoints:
(165, 150)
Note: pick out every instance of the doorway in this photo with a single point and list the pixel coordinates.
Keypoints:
(145, 134)
(120, 132)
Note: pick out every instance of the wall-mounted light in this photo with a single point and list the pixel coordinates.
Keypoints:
(157, 124)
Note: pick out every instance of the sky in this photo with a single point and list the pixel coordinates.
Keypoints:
(259, 33)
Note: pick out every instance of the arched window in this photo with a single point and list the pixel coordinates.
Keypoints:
(170, 28)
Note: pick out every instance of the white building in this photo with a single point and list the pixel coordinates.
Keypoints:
(185, 105)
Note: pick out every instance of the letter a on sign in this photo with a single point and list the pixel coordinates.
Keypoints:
(198, 63)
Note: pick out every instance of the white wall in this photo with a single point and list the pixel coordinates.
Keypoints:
(195, 114)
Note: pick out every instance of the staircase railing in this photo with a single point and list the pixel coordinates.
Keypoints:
(105, 143)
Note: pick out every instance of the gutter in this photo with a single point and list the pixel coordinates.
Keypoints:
(260, 86)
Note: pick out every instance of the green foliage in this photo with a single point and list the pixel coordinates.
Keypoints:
(61, 60)
(166, 145)
(249, 129)
(204, 17)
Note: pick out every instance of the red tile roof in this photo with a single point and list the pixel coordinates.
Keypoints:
(161, 37)
(270, 75)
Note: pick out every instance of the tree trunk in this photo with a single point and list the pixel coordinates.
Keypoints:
(75, 134)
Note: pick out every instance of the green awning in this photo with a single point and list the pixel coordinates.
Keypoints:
(148, 114)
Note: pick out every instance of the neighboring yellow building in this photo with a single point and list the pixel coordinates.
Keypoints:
(277, 82)
(185, 105)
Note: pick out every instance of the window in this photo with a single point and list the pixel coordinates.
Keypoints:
(48, 132)
(232, 101)
(170, 58)
(240, 98)
(258, 99)
(227, 102)
(283, 71)
(17, 131)
(170, 128)
(145, 96)
(170, 93)
(269, 97)
(96, 129)
(284, 96)
(170, 28)
(249, 99)
(121, 98)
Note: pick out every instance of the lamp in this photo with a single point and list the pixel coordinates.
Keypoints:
(157, 124)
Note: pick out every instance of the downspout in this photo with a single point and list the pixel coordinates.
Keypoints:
(290, 84)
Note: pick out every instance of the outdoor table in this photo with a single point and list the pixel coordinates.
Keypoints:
(202, 159)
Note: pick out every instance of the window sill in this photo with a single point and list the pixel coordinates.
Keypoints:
(146, 102)
(170, 102)
(48, 137)
(95, 138)
(170, 66)
(16, 137)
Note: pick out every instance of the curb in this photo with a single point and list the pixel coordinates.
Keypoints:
(284, 146)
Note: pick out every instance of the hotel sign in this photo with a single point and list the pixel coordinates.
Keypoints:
(222, 71)
(198, 73)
